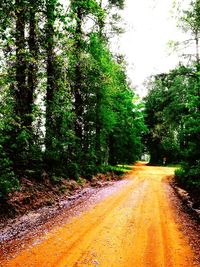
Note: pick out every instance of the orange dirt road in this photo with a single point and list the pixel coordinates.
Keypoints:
(134, 226)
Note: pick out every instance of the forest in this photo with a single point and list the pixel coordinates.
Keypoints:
(172, 108)
(67, 108)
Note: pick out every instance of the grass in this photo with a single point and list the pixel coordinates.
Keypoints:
(124, 168)
(173, 165)
(118, 170)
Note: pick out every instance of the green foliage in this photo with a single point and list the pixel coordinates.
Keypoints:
(118, 170)
(172, 116)
(173, 119)
(8, 180)
(189, 175)
(118, 3)
(181, 175)
(73, 170)
(66, 106)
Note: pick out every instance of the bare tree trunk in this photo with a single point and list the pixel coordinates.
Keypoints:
(33, 51)
(78, 78)
(197, 46)
(51, 72)
(21, 104)
(98, 102)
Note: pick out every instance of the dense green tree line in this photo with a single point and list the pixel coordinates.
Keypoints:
(66, 106)
(173, 110)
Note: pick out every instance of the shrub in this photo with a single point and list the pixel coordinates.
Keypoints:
(73, 170)
(181, 175)
(189, 175)
(8, 180)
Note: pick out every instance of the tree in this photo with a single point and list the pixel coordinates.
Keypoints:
(51, 72)
(66, 105)
(172, 117)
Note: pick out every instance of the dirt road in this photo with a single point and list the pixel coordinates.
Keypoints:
(132, 225)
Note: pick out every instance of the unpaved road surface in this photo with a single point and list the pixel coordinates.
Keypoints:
(135, 223)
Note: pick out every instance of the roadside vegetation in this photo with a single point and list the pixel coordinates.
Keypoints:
(172, 109)
(67, 109)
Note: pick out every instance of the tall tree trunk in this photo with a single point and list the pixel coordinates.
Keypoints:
(33, 51)
(51, 72)
(78, 78)
(98, 102)
(21, 104)
(197, 46)
(98, 127)
(111, 159)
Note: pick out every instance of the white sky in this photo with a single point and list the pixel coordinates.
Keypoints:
(150, 25)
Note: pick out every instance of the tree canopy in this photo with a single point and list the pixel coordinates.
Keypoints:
(67, 107)
(172, 110)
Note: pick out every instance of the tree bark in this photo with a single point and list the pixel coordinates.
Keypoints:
(78, 78)
(197, 46)
(98, 104)
(33, 51)
(21, 103)
(51, 80)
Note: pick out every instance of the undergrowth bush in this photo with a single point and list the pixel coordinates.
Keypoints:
(189, 175)
(8, 180)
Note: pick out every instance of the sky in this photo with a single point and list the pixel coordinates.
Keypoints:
(149, 26)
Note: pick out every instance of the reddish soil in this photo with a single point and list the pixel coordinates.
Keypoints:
(135, 222)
